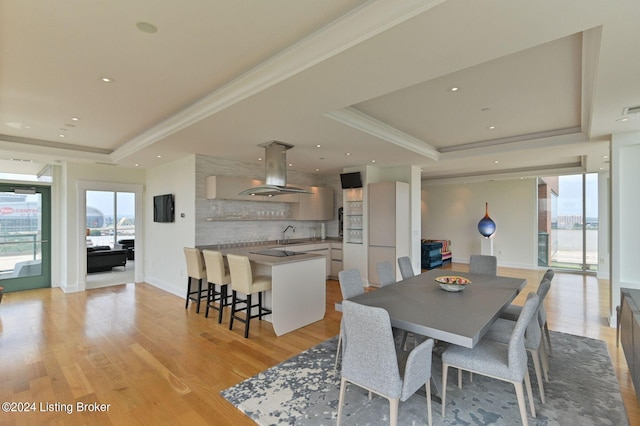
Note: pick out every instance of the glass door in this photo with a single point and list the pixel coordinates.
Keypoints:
(25, 233)
(568, 222)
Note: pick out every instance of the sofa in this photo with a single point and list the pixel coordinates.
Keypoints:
(130, 246)
(445, 250)
(102, 258)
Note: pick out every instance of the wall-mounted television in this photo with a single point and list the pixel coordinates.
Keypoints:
(163, 209)
(351, 180)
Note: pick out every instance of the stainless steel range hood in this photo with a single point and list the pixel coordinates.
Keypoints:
(275, 158)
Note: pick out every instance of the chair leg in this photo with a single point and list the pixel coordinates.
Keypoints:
(536, 364)
(546, 332)
(459, 378)
(248, 317)
(186, 300)
(527, 382)
(445, 367)
(210, 293)
(223, 301)
(198, 296)
(521, 404)
(545, 360)
(393, 411)
(335, 367)
(343, 385)
(233, 308)
(428, 389)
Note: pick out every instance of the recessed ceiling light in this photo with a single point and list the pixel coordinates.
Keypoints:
(317, 170)
(75, 118)
(259, 158)
(107, 80)
(137, 165)
(491, 127)
(347, 154)
(495, 161)
(454, 89)
(146, 27)
(623, 119)
(61, 135)
(159, 156)
(290, 165)
(318, 146)
(601, 168)
(605, 156)
(373, 161)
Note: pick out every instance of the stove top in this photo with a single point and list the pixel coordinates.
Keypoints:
(277, 253)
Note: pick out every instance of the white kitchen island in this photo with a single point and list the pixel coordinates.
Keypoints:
(298, 287)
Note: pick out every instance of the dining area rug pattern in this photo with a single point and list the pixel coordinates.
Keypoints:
(304, 390)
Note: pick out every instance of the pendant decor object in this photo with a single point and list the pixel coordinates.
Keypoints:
(486, 226)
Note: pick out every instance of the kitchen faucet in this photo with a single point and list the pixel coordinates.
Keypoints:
(284, 240)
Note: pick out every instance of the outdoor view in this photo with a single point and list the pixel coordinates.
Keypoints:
(20, 234)
(110, 217)
(567, 237)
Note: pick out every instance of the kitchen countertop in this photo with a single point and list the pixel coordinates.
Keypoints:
(247, 250)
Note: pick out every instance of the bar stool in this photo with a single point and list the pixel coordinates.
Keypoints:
(216, 275)
(243, 281)
(196, 271)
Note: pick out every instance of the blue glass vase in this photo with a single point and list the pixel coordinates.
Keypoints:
(486, 226)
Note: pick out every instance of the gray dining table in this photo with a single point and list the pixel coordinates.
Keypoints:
(419, 305)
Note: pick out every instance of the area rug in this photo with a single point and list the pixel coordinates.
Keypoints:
(303, 390)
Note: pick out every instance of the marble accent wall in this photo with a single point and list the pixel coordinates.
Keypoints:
(258, 221)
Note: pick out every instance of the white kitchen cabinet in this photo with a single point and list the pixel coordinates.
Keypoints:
(315, 206)
(319, 248)
(336, 259)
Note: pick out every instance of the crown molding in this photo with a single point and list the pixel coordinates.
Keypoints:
(365, 123)
(353, 28)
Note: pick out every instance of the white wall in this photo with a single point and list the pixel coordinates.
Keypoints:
(625, 205)
(69, 259)
(452, 212)
(165, 265)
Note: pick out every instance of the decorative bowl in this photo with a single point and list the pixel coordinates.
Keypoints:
(453, 283)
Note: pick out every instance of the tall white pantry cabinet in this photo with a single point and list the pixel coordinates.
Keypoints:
(389, 225)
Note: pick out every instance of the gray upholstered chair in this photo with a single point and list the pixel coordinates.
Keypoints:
(243, 281)
(350, 286)
(492, 359)
(483, 264)
(406, 269)
(502, 329)
(195, 271)
(217, 274)
(368, 332)
(513, 312)
(386, 273)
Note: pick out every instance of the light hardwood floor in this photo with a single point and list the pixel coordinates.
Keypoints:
(137, 349)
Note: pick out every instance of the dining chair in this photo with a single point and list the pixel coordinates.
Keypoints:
(371, 362)
(243, 281)
(492, 359)
(406, 269)
(350, 286)
(195, 271)
(512, 312)
(217, 274)
(502, 329)
(386, 273)
(483, 264)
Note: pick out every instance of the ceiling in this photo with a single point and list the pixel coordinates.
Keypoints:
(541, 85)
